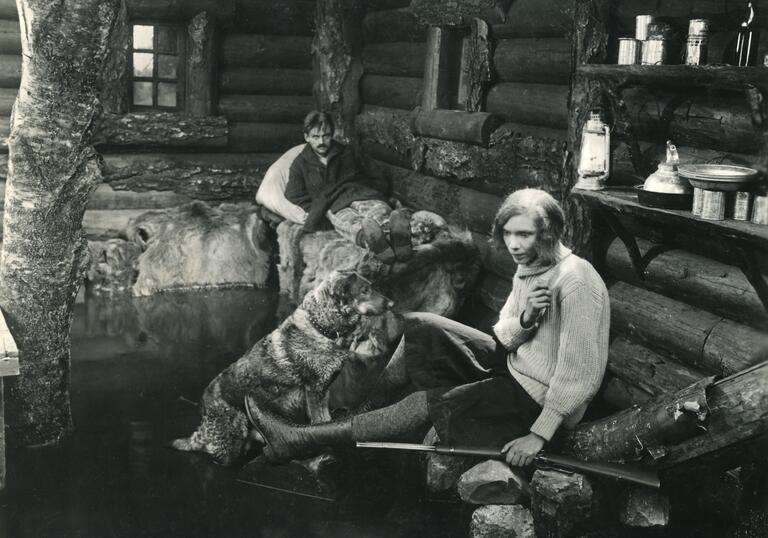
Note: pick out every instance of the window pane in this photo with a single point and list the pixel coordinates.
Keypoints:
(166, 94)
(166, 66)
(142, 64)
(143, 36)
(166, 39)
(142, 93)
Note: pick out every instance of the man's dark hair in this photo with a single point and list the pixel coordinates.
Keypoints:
(319, 120)
(545, 212)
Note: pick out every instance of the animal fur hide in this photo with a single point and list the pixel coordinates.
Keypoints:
(198, 246)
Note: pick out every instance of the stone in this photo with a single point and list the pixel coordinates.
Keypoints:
(493, 482)
(198, 246)
(443, 471)
(644, 508)
(502, 521)
(111, 268)
(561, 503)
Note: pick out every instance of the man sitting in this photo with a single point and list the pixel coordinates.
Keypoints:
(326, 181)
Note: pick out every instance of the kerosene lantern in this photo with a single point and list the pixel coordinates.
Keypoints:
(595, 156)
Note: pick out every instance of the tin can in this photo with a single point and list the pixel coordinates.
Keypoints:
(660, 30)
(739, 205)
(713, 205)
(698, 201)
(654, 52)
(760, 209)
(698, 27)
(696, 48)
(629, 51)
(641, 26)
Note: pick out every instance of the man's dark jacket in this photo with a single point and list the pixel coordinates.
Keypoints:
(316, 188)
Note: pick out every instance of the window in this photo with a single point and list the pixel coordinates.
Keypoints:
(157, 64)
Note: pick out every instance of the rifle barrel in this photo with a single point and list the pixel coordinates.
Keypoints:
(637, 475)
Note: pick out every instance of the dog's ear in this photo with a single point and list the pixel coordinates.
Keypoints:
(340, 283)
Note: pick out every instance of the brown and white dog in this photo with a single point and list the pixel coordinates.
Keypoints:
(288, 371)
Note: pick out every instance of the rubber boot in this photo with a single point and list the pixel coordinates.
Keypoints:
(284, 441)
(371, 236)
(400, 234)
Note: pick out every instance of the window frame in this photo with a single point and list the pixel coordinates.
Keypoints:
(155, 79)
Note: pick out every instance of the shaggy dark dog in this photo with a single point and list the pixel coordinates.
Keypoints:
(288, 371)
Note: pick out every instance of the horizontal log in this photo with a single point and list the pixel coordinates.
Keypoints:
(379, 152)
(392, 92)
(266, 108)
(180, 10)
(469, 127)
(205, 176)
(493, 259)
(264, 137)
(161, 128)
(10, 38)
(436, 13)
(738, 415)
(542, 60)
(735, 347)
(254, 80)
(718, 121)
(395, 59)
(681, 330)
(267, 51)
(620, 394)
(545, 105)
(10, 71)
(533, 18)
(7, 98)
(393, 25)
(647, 370)
(5, 131)
(296, 17)
(459, 205)
(390, 127)
(697, 280)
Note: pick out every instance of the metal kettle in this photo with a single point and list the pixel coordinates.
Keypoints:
(666, 178)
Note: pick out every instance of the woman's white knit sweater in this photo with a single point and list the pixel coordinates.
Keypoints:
(560, 361)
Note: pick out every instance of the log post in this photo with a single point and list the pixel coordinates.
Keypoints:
(53, 168)
(201, 65)
(441, 72)
(337, 62)
(9, 366)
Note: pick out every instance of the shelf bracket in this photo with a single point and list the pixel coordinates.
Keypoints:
(751, 269)
(627, 238)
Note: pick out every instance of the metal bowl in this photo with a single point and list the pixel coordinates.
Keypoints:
(718, 177)
(664, 200)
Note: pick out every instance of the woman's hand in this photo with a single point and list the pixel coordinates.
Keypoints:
(538, 300)
(520, 452)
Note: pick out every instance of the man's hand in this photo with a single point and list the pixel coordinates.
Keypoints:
(520, 452)
(538, 300)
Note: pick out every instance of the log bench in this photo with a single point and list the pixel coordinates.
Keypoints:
(9, 366)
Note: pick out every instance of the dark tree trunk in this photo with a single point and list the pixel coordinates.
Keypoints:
(53, 170)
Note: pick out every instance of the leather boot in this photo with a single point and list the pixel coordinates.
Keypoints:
(372, 237)
(284, 441)
(400, 234)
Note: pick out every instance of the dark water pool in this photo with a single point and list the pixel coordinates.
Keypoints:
(138, 367)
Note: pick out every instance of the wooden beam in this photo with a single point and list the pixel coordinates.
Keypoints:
(533, 18)
(391, 92)
(8, 10)
(269, 81)
(254, 137)
(10, 39)
(441, 69)
(541, 60)
(697, 280)
(10, 71)
(266, 108)
(7, 98)
(401, 59)
(176, 10)
(469, 127)
(440, 13)
(267, 51)
(161, 128)
(267, 17)
(545, 105)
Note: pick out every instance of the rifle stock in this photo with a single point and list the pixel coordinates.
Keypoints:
(626, 473)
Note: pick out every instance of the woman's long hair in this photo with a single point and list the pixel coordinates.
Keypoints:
(546, 214)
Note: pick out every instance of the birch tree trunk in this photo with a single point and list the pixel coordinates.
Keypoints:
(52, 170)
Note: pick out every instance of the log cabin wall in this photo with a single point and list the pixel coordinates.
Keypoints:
(259, 73)
(682, 305)
(460, 177)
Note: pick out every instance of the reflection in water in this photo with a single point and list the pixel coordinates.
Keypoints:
(138, 368)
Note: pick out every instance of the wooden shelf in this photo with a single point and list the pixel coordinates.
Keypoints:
(624, 201)
(680, 76)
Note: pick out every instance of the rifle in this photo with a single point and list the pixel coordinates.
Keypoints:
(636, 475)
